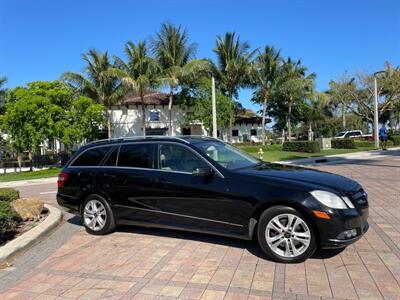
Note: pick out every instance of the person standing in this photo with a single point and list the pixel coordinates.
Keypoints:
(383, 136)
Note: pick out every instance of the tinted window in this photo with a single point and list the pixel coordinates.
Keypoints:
(178, 158)
(91, 157)
(356, 133)
(135, 156)
(253, 132)
(112, 158)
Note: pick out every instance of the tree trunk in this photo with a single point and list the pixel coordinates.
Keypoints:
(143, 114)
(30, 160)
(171, 98)
(290, 121)
(264, 117)
(343, 116)
(310, 132)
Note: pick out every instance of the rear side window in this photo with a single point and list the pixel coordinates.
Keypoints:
(135, 156)
(91, 157)
(111, 160)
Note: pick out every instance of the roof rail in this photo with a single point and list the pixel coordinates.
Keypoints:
(138, 138)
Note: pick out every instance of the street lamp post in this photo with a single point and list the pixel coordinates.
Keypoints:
(376, 111)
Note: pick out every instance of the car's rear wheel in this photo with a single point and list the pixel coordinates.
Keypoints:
(285, 235)
(97, 215)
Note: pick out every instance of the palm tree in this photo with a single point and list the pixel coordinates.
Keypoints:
(234, 67)
(3, 80)
(139, 74)
(293, 85)
(175, 57)
(101, 82)
(341, 93)
(266, 66)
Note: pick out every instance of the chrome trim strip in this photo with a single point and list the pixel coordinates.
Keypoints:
(180, 215)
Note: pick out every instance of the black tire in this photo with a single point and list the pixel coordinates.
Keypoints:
(109, 225)
(266, 217)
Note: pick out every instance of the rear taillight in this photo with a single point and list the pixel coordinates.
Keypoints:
(62, 178)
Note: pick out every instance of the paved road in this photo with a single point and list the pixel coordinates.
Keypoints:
(140, 263)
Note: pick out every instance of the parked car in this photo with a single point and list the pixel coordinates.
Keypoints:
(352, 134)
(205, 185)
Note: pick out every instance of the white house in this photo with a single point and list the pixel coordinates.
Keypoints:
(126, 120)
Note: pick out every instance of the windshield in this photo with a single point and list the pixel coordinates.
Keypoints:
(341, 133)
(226, 155)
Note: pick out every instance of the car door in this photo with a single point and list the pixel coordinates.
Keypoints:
(129, 180)
(200, 203)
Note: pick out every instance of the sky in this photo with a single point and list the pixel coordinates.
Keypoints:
(41, 39)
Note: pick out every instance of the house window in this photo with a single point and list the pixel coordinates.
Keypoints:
(253, 132)
(154, 116)
(186, 131)
(235, 132)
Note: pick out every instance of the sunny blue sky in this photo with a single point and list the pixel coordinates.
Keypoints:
(40, 39)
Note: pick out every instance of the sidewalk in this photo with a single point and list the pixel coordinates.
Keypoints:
(331, 159)
(29, 182)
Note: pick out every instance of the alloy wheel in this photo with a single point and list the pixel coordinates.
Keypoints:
(288, 235)
(94, 215)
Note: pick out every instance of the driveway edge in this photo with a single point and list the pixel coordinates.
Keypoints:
(30, 237)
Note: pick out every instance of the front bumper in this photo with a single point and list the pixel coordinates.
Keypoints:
(331, 231)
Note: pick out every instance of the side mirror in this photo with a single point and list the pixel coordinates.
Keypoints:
(202, 172)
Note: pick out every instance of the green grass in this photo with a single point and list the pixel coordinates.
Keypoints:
(26, 175)
(275, 153)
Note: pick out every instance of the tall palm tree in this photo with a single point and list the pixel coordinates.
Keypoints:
(294, 85)
(3, 80)
(139, 74)
(234, 65)
(100, 83)
(175, 56)
(266, 66)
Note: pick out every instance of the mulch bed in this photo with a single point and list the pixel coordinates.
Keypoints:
(21, 228)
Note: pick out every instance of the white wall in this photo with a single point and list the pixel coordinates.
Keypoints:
(128, 121)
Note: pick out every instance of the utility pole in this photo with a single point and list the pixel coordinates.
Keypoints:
(376, 111)
(214, 108)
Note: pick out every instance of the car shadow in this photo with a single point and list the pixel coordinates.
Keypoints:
(250, 246)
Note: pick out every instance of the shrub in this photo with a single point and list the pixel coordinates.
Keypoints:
(8, 194)
(395, 139)
(302, 146)
(389, 143)
(364, 143)
(343, 144)
(8, 217)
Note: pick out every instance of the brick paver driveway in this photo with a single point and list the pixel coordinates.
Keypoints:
(139, 263)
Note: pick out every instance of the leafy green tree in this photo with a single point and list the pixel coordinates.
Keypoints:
(313, 110)
(202, 108)
(293, 86)
(175, 56)
(234, 66)
(265, 73)
(139, 74)
(341, 92)
(100, 84)
(49, 110)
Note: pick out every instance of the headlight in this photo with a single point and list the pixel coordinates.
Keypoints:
(332, 200)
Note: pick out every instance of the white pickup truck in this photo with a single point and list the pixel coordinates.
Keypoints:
(352, 134)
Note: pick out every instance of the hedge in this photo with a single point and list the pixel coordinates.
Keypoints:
(8, 217)
(364, 143)
(302, 146)
(395, 139)
(8, 194)
(343, 144)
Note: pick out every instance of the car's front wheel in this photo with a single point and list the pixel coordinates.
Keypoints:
(97, 215)
(285, 235)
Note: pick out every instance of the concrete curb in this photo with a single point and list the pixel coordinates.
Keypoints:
(28, 182)
(338, 157)
(30, 237)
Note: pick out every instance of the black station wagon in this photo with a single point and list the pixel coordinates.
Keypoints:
(205, 185)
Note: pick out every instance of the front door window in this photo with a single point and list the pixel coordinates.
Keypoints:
(173, 157)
